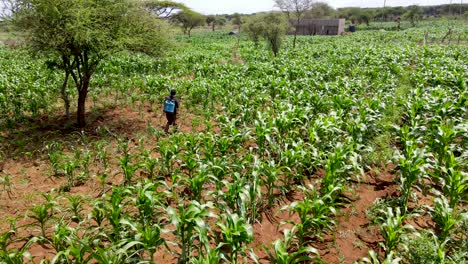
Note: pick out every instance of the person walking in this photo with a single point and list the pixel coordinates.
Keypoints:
(171, 104)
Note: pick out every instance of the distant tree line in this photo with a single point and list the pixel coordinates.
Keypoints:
(359, 15)
(365, 15)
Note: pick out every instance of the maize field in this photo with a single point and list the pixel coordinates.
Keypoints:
(347, 149)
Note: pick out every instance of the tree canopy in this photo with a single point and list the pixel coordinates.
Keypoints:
(80, 33)
(272, 27)
(164, 9)
(320, 10)
(188, 20)
(295, 10)
(413, 14)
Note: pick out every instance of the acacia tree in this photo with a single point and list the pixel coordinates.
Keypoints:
(320, 10)
(215, 21)
(164, 9)
(272, 27)
(295, 10)
(188, 20)
(276, 27)
(255, 28)
(81, 33)
(413, 14)
(237, 21)
(211, 20)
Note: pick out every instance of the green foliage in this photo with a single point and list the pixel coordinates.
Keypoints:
(272, 27)
(413, 14)
(254, 27)
(94, 29)
(392, 229)
(163, 9)
(262, 130)
(320, 10)
(281, 254)
(315, 213)
(446, 218)
(374, 259)
(235, 234)
(427, 248)
(188, 20)
(190, 225)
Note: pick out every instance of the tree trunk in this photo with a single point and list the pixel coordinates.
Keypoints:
(294, 40)
(82, 94)
(238, 35)
(213, 26)
(295, 32)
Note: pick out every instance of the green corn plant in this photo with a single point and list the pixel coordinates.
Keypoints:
(281, 251)
(219, 169)
(271, 177)
(76, 203)
(445, 217)
(16, 256)
(114, 209)
(109, 255)
(315, 213)
(186, 219)
(7, 184)
(49, 199)
(212, 256)
(55, 156)
(262, 132)
(196, 182)
(251, 195)
(149, 164)
(82, 159)
(128, 169)
(148, 236)
(102, 177)
(78, 249)
(293, 155)
(61, 232)
(412, 166)
(209, 143)
(168, 151)
(98, 213)
(102, 154)
(440, 139)
(392, 229)
(231, 195)
(374, 259)
(204, 249)
(224, 144)
(147, 200)
(41, 214)
(336, 170)
(55, 159)
(454, 181)
(6, 239)
(124, 251)
(190, 162)
(69, 167)
(236, 233)
(192, 144)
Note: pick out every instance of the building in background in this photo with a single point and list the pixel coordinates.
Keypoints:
(309, 27)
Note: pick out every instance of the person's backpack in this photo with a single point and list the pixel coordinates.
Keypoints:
(169, 105)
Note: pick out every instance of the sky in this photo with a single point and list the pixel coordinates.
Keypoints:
(252, 6)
